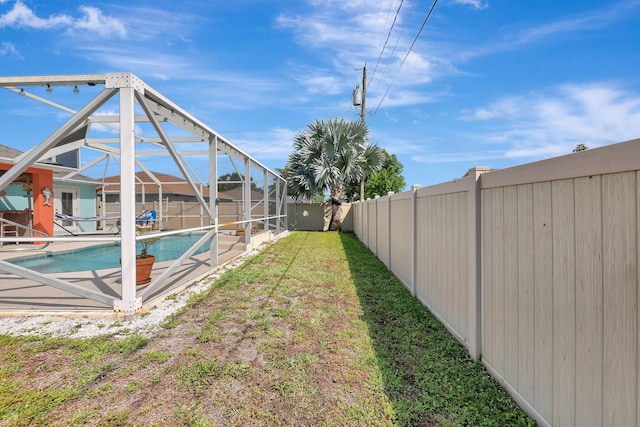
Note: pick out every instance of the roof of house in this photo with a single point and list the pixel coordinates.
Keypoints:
(9, 154)
(236, 194)
(170, 184)
(173, 185)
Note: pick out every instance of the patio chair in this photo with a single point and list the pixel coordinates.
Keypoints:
(147, 219)
(7, 230)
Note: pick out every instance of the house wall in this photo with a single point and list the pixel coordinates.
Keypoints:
(42, 214)
(16, 199)
(535, 269)
(87, 207)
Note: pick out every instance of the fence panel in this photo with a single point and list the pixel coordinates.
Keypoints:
(620, 268)
(364, 209)
(549, 296)
(401, 238)
(382, 228)
(525, 290)
(571, 291)
(357, 219)
(589, 304)
(372, 224)
(447, 255)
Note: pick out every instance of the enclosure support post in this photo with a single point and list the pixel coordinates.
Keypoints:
(213, 197)
(246, 201)
(129, 302)
(267, 222)
(278, 205)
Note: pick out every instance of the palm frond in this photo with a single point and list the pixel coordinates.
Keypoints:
(330, 154)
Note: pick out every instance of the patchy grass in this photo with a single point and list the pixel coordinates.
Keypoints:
(313, 331)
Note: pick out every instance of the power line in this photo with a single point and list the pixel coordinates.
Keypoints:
(393, 24)
(406, 56)
(395, 46)
(385, 20)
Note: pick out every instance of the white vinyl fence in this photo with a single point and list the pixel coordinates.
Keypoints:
(535, 270)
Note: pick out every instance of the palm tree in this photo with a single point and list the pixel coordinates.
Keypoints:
(328, 156)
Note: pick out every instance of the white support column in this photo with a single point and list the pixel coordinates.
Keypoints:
(213, 197)
(246, 200)
(129, 302)
(285, 205)
(266, 201)
(277, 183)
(160, 213)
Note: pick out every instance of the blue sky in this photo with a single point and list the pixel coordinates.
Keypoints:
(484, 83)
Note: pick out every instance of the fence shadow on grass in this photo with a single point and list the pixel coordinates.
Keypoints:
(428, 375)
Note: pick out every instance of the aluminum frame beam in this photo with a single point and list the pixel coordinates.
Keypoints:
(158, 110)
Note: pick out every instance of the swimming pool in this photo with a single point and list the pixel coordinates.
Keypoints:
(108, 256)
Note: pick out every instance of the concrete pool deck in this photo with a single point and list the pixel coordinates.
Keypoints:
(20, 296)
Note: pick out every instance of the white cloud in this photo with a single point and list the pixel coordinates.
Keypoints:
(92, 19)
(348, 37)
(323, 83)
(551, 124)
(434, 158)
(417, 69)
(538, 151)
(504, 108)
(271, 144)
(596, 111)
(477, 4)
(22, 16)
(399, 98)
(7, 48)
(526, 34)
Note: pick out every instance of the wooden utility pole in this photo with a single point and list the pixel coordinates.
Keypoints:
(364, 94)
(362, 116)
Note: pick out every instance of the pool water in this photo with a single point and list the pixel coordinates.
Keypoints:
(107, 256)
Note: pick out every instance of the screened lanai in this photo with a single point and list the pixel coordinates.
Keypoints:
(115, 125)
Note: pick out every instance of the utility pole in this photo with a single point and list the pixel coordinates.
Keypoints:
(364, 94)
(363, 106)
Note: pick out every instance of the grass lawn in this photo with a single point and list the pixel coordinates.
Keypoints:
(314, 331)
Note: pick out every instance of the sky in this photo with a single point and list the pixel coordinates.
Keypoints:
(450, 85)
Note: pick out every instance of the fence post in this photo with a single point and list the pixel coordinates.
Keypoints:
(182, 215)
(375, 226)
(474, 263)
(414, 240)
(389, 194)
